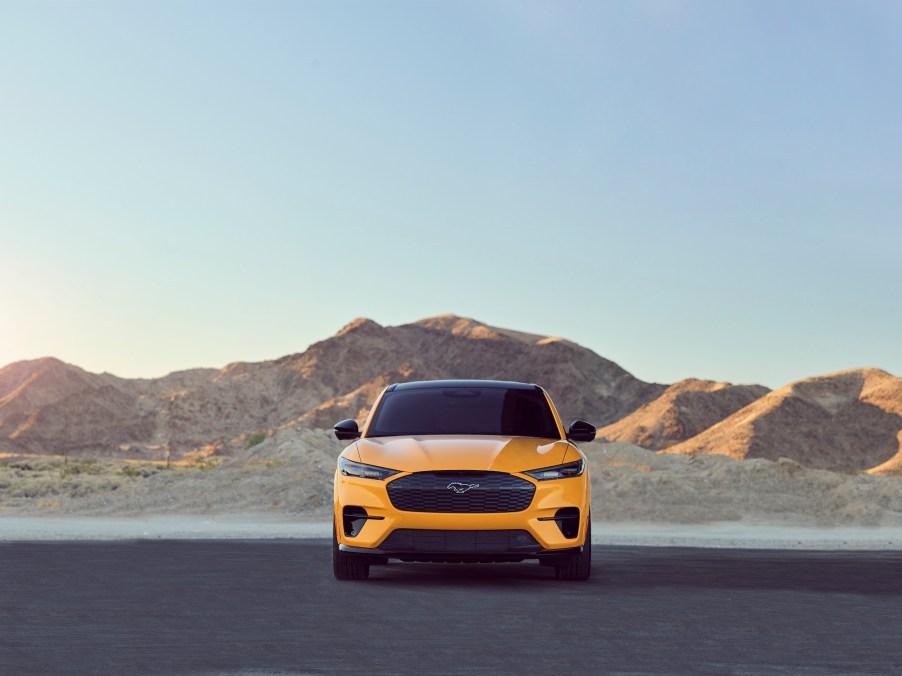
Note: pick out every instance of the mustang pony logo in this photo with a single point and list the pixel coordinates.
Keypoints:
(458, 487)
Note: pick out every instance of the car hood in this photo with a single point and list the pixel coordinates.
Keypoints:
(488, 453)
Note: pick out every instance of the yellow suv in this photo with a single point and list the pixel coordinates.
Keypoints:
(462, 470)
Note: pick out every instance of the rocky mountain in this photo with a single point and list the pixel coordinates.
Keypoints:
(582, 384)
(683, 410)
(47, 406)
(846, 421)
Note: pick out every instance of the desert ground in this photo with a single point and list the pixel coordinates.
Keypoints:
(281, 487)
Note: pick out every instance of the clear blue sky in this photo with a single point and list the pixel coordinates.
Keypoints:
(709, 189)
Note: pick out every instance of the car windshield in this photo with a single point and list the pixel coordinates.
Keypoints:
(494, 411)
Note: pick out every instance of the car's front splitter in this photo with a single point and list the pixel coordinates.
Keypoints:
(545, 556)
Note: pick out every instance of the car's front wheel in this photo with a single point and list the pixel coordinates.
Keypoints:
(579, 566)
(347, 566)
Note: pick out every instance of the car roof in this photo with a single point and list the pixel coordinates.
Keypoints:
(493, 384)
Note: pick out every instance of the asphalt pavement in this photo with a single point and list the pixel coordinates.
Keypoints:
(272, 607)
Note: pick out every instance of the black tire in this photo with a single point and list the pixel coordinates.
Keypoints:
(347, 566)
(578, 567)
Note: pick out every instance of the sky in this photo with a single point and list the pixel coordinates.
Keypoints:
(691, 189)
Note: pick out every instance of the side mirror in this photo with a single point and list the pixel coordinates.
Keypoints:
(347, 429)
(580, 430)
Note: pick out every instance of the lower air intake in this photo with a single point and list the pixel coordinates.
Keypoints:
(459, 541)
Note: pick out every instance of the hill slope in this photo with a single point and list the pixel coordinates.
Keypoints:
(683, 410)
(48, 406)
(846, 421)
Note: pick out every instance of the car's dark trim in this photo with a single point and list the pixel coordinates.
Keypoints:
(346, 430)
(567, 520)
(431, 384)
(548, 557)
(491, 492)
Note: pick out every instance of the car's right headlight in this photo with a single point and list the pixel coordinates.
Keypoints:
(564, 471)
(358, 469)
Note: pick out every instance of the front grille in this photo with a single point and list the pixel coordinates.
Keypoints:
(460, 492)
(458, 541)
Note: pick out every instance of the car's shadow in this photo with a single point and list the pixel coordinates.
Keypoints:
(875, 572)
(496, 575)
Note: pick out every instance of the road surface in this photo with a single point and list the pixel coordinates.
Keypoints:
(272, 607)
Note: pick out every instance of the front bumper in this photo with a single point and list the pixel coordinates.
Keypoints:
(464, 554)
(537, 521)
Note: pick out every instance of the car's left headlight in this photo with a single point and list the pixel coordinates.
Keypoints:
(358, 469)
(570, 469)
